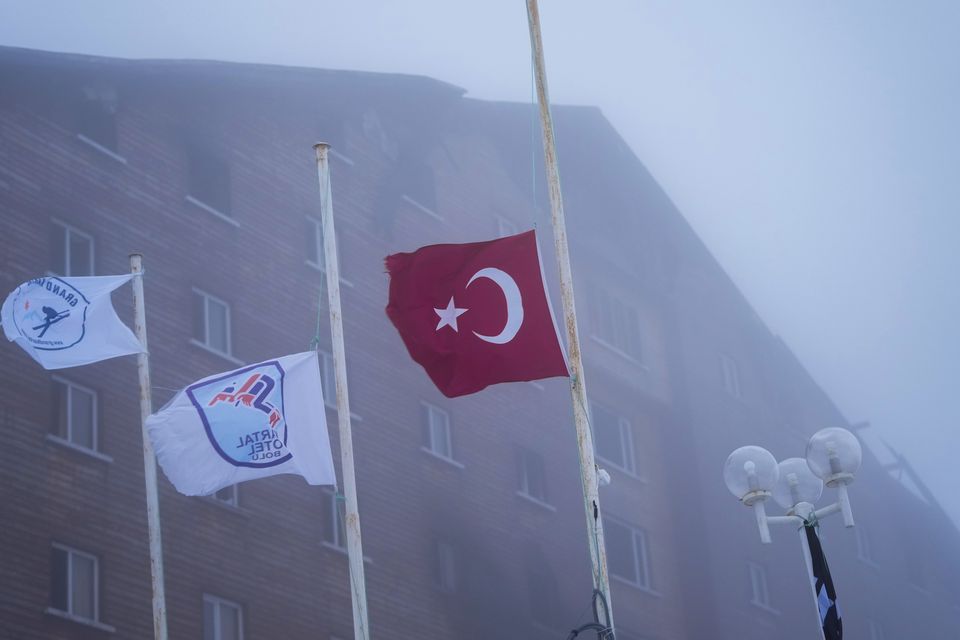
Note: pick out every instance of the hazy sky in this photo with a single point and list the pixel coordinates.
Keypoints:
(813, 145)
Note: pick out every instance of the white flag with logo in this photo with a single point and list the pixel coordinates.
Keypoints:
(67, 322)
(252, 422)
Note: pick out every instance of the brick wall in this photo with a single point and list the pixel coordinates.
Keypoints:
(268, 554)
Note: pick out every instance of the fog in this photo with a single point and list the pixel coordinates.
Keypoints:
(811, 146)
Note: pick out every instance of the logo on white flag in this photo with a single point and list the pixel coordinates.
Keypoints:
(67, 322)
(50, 313)
(242, 413)
(257, 421)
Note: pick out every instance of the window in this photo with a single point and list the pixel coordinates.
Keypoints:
(316, 255)
(74, 583)
(915, 561)
(423, 186)
(436, 431)
(211, 322)
(373, 130)
(96, 116)
(864, 545)
(328, 383)
(615, 323)
(334, 529)
(418, 181)
(72, 251)
(505, 227)
(76, 413)
(533, 483)
(445, 566)
(731, 375)
(209, 179)
(544, 593)
(627, 552)
(613, 438)
(229, 495)
(222, 619)
(760, 594)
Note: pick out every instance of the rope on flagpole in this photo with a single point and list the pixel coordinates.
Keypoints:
(583, 612)
(604, 631)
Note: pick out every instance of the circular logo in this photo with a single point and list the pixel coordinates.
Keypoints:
(50, 313)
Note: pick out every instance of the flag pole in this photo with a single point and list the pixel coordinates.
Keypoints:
(361, 627)
(588, 467)
(149, 459)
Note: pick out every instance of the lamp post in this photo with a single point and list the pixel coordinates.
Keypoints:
(753, 475)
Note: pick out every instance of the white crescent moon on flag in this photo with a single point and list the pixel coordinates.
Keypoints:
(514, 304)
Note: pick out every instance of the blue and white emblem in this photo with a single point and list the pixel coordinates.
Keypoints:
(242, 412)
(263, 419)
(50, 313)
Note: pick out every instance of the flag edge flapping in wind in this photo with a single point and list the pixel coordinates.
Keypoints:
(99, 324)
(399, 266)
(186, 449)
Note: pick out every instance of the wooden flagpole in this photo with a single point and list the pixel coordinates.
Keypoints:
(149, 459)
(588, 468)
(361, 627)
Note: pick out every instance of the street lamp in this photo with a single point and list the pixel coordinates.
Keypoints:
(752, 475)
(796, 485)
(833, 457)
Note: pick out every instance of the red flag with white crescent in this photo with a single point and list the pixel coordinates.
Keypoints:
(476, 314)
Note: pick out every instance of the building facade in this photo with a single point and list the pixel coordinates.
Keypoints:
(471, 508)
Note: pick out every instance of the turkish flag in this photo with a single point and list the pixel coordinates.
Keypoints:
(475, 314)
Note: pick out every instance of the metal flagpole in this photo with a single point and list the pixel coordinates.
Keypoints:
(149, 459)
(588, 467)
(361, 627)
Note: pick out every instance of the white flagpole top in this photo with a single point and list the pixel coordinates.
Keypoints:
(588, 465)
(149, 459)
(361, 627)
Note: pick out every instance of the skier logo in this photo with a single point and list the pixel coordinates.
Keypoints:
(52, 316)
(50, 313)
(242, 413)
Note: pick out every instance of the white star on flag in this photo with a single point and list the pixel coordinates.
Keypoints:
(448, 316)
